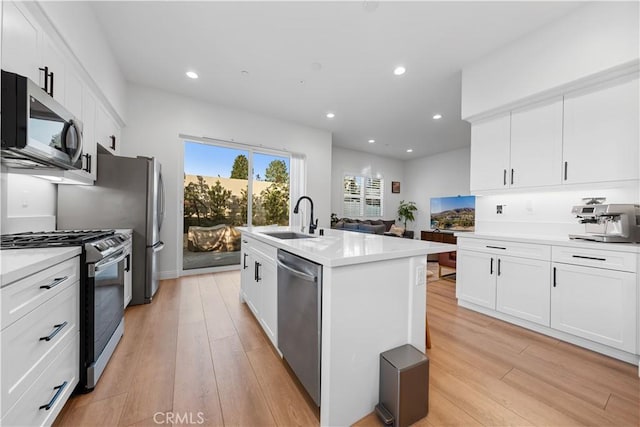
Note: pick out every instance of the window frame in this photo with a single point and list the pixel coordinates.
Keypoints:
(362, 197)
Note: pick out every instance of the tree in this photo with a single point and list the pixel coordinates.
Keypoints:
(219, 201)
(277, 172)
(275, 202)
(240, 169)
(196, 199)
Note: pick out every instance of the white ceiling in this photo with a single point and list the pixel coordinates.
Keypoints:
(357, 44)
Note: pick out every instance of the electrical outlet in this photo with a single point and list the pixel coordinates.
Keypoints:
(421, 275)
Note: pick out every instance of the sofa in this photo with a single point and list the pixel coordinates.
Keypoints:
(371, 226)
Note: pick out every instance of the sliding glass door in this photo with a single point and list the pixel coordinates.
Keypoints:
(217, 190)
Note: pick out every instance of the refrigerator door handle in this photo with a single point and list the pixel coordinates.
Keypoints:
(158, 246)
(161, 197)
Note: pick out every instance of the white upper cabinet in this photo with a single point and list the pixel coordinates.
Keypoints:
(52, 78)
(601, 135)
(90, 161)
(107, 131)
(490, 154)
(536, 146)
(20, 43)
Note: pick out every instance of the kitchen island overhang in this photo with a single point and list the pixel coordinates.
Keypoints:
(373, 299)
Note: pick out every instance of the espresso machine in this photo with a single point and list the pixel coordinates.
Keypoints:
(610, 223)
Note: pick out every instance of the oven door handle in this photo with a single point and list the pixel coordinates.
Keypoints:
(113, 259)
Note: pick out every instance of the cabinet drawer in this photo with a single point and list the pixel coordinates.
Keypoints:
(263, 248)
(522, 250)
(623, 261)
(60, 377)
(24, 295)
(25, 349)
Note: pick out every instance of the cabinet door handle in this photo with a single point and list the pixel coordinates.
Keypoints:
(511, 176)
(498, 266)
(60, 388)
(55, 282)
(491, 267)
(51, 84)
(46, 78)
(258, 278)
(87, 157)
(589, 257)
(566, 165)
(57, 329)
(113, 142)
(554, 277)
(127, 263)
(504, 177)
(244, 262)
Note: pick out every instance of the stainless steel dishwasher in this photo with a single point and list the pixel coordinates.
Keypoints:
(299, 318)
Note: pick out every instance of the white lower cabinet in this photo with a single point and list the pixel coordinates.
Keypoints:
(259, 284)
(476, 281)
(596, 304)
(515, 286)
(522, 288)
(585, 292)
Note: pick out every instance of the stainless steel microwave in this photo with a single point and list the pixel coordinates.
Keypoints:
(37, 132)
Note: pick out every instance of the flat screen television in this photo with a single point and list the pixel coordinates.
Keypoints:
(456, 213)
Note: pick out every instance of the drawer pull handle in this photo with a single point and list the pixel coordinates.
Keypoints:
(589, 257)
(496, 247)
(57, 329)
(55, 282)
(55, 397)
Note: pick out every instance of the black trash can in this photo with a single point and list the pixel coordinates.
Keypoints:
(404, 386)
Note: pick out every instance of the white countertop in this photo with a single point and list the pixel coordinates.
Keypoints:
(16, 264)
(552, 240)
(339, 248)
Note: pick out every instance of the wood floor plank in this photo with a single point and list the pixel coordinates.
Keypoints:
(626, 369)
(443, 412)
(626, 409)
(104, 412)
(577, 408)
(506, 395)
(473, 401)
(216, 314)
(287, 405)
(243, 402)
(195, 394)
(607, 379)
(248, 329)
(153, 382)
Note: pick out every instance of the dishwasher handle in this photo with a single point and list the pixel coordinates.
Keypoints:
(300, 274)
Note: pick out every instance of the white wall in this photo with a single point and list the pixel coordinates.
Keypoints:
(345, 161)
(155, 120)
(443, 174)
(594, 38)
(28, 203)
(545, 213)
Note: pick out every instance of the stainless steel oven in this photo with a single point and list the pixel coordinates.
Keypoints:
(106, 279)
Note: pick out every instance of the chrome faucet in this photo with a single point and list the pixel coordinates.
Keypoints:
(313, 225)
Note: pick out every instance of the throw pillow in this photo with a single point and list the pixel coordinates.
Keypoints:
(388, 224)
(398, 231)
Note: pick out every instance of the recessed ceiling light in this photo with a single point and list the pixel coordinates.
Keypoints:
(371, 141)
(192, 74)
(244, 72)
(399, 70)
(330, 115)
(437, 116)
(409, 150)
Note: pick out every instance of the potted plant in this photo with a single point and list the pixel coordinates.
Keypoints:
(405, 212)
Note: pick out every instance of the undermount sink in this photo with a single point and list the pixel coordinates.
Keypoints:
(288, 235)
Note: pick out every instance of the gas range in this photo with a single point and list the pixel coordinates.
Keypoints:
(58, 238)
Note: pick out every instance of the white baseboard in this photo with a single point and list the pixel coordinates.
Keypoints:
(171, 274)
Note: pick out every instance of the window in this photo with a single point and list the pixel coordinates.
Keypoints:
(362, 196)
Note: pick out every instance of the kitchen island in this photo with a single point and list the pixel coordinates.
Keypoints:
(373, 298)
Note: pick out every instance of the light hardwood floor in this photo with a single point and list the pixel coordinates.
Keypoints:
(196, 353)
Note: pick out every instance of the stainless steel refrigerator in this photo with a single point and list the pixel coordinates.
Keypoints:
(128, 193)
